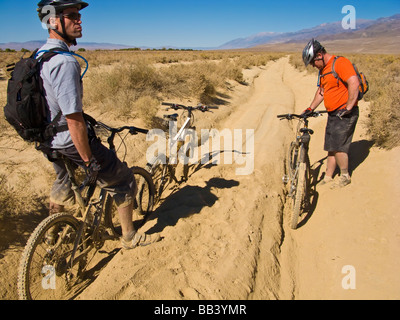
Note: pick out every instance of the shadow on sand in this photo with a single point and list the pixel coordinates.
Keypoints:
(187, 201)
(359, 152)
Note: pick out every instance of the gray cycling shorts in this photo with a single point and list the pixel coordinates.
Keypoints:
(114, 176)
(339, 133)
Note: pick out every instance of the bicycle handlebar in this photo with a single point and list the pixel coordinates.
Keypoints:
(132, 130)
(202, 108)
(291, 116)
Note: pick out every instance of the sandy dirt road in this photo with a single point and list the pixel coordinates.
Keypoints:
(225, 236)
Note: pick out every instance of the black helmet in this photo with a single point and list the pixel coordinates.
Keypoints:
(311, 50)
(60, 5)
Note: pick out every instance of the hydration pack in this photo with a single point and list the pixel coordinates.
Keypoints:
(26, 108)
(364, 85)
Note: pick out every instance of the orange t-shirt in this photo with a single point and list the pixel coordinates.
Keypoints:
(335, 92)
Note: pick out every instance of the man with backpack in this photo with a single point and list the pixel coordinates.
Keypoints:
(338, 88)
(62, 88)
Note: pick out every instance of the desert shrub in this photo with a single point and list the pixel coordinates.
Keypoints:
(254, 59)
(119, 88)
(384, 120)
(147, 108)
(3, 101)
(122, 82)
(383, 74)
(296, 60)
(16, 200)
(6, 197)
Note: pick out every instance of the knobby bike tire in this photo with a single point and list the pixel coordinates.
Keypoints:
(43, 267)
(299, 196)
(302, 185)
(145, 198)
(291, 160)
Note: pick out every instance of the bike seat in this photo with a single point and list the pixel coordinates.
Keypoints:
(173, 117)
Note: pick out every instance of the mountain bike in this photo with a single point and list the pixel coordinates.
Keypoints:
(56, 255)
(298, 175)
(162, 168)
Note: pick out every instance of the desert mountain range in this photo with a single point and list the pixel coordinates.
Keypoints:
(327, 31)
(370, 36)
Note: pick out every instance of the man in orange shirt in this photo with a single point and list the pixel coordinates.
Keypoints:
(340, 96)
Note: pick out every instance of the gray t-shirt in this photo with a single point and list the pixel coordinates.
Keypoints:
(62, 88)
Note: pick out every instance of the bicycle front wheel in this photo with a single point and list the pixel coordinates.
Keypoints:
(144, 201)
(292, 159)
(302, 181)
(299, 196)
(45, 272)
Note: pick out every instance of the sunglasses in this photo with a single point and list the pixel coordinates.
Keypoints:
(74, 16)
(316, 59)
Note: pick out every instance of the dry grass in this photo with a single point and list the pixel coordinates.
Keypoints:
(126, 85)
(5, 59)
(131, 84)
(383, 74)
(15, 200)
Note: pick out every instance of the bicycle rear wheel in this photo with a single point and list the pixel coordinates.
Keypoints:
(44, 271)
(144, 201)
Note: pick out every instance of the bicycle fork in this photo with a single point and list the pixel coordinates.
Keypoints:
(299, 153)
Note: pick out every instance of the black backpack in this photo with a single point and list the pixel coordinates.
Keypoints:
(26, 108)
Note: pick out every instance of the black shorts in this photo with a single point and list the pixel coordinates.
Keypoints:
(114, 176)
(339, 133)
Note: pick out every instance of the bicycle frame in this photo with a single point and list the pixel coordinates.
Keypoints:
(85, 208)
(180, 135)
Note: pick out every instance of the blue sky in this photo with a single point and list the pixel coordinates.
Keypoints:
(185, 23)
